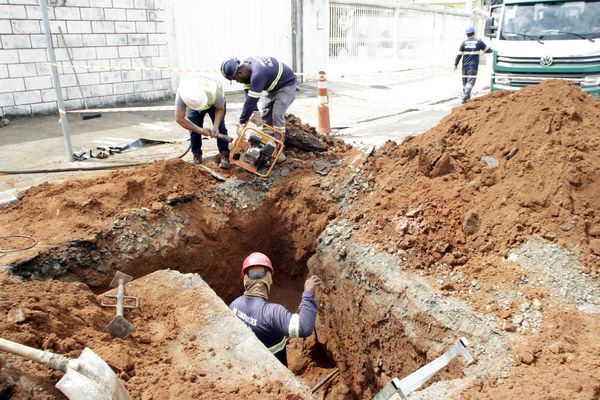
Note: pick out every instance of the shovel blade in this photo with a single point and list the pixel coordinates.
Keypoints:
(89, 377)
(119, 327)
(120, 275)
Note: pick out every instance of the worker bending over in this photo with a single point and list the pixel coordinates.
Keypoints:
(196, 97)
(270, 322)
(259, 74)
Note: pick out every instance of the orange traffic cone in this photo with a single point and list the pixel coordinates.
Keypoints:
(323, 125)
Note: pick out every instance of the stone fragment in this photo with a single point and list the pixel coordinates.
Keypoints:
(526, 357)
(16, 316)
(595, 246)
(491, 162)
(470, 223)
(442, 167)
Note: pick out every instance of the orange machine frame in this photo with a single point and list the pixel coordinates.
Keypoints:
(241, 145)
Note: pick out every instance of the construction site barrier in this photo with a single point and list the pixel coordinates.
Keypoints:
(323, 124)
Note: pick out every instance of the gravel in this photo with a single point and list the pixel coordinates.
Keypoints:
(552, 267)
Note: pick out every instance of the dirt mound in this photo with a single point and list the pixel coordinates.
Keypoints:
(493, 173)
(58, 213)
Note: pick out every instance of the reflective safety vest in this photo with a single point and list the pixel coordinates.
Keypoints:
(213, 90)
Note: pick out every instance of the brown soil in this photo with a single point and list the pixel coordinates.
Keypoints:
(433, 200)
(435, 197)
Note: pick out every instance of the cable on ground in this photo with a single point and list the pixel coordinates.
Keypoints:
(33, 239)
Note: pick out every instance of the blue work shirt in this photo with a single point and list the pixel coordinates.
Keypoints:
(268, 74)
(469, 50)
(273, 324)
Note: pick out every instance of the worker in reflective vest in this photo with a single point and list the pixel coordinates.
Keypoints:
(259, 74)
(469, 51)
(271, 322)
(196, 97)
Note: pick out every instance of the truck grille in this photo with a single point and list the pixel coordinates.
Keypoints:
(526, 79)
(506, 61)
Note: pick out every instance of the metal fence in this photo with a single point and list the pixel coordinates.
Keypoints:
(365, 38)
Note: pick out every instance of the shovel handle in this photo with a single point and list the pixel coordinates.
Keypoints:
(54, 361)
(226, 138)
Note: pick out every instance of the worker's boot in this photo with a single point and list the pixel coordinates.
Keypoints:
(224, 163)
(198, 158)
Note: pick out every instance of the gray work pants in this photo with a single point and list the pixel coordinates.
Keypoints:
(468, 80)
(276, 104)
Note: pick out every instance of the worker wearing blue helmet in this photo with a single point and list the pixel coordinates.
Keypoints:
(469, 51)
(263, 74)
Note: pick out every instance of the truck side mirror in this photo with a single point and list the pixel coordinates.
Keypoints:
(490, 27)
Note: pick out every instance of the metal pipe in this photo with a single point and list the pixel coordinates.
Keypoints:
(325, 380)
(57, 88)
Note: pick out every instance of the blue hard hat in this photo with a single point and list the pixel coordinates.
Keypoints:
(229, 67)
(470, 30)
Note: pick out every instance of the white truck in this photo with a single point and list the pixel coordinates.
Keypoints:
(535, 40)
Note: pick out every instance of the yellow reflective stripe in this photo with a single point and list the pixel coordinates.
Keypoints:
(247, 86)
(279, 72)
(210, 88)
(294, 327)
(470, 52)
(253, 94)
(278, 347)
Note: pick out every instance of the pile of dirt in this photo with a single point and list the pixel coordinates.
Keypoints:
(58, 213)
(453, 202)
(492, 174)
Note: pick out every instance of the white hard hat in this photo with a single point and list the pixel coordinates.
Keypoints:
(192, 93)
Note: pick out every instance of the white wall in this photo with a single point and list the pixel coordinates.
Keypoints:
(315, 36)
(108, 33)
(206, 32)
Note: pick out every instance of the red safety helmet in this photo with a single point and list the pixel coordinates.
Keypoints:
(257, 259)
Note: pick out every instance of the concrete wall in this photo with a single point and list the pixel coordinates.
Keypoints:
(106, 33)
(315, 31)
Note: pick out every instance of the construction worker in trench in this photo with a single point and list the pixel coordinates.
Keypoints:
(469, 50)
(196, 97)
(259, 74)
(273, 323)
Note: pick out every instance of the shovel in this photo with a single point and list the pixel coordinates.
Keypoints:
(119, 326)
(87, 377)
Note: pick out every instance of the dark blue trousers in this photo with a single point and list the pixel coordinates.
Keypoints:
(197, 117)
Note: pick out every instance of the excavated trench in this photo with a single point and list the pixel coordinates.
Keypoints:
(375, 321)
(210, 240)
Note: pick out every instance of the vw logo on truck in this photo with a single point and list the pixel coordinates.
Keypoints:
(546, 61)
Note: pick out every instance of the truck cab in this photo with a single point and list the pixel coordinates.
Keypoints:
(537, 40)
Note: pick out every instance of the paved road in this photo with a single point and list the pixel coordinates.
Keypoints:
(410, 122)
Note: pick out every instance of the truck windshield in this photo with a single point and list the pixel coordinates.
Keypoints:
(574, 20)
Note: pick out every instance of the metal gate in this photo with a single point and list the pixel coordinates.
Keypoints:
(367, 38)
(207, 32)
